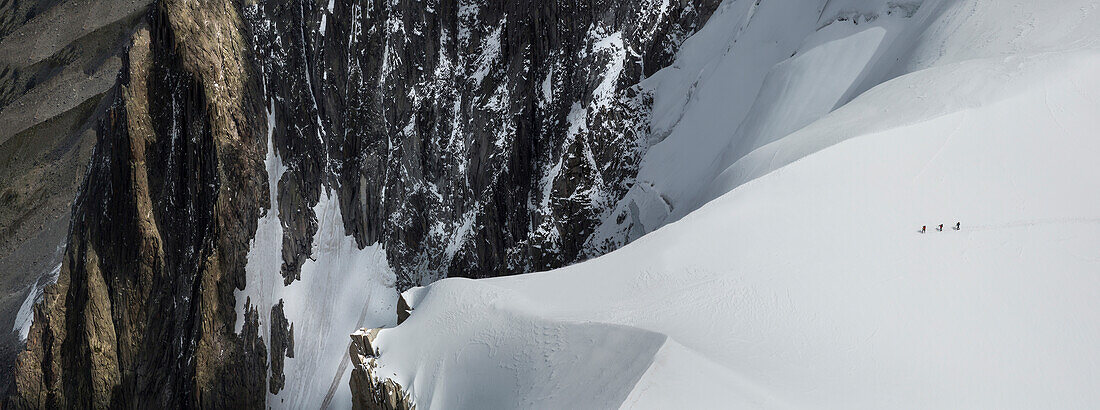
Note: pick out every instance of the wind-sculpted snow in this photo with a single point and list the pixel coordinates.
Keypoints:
(520, 372)
(760, 72)
(756, 72)
(796, 274)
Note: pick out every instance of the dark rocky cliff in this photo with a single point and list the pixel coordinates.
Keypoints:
(470, 138)
(142, 312)
(57, 61)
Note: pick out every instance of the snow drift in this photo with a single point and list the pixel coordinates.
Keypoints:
(803, 149)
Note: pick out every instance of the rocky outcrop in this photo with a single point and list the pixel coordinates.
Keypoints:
(282, 345)
(142, 313)
(370, 391)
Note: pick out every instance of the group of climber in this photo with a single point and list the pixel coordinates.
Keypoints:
(958, 226)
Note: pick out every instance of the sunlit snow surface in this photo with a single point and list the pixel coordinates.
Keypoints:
(342, 288)
(791, 272)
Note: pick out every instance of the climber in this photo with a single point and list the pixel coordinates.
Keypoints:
(922, 228)
(958, 226)
(940, 228)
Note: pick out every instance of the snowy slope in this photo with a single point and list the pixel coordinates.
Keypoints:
(342, 288)
(794, 274)
(754, 73)
(758, 72)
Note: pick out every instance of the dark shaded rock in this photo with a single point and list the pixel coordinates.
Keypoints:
(53, 77)
(475, 139)
(282, 345)
(403, 309)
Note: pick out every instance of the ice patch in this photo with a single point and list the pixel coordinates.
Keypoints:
(25, 317)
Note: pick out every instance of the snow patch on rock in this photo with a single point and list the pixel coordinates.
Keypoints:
(342, 288)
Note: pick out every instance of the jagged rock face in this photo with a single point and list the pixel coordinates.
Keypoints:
(471, 138)
(57, 61)
(369, 391)
(142, 312)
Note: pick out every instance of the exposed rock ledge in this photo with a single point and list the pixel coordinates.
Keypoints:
(368, 390)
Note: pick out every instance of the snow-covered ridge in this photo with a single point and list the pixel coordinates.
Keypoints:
(791, 272)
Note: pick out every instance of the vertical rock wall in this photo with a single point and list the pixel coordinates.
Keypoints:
(142, 313)
(472, 138)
